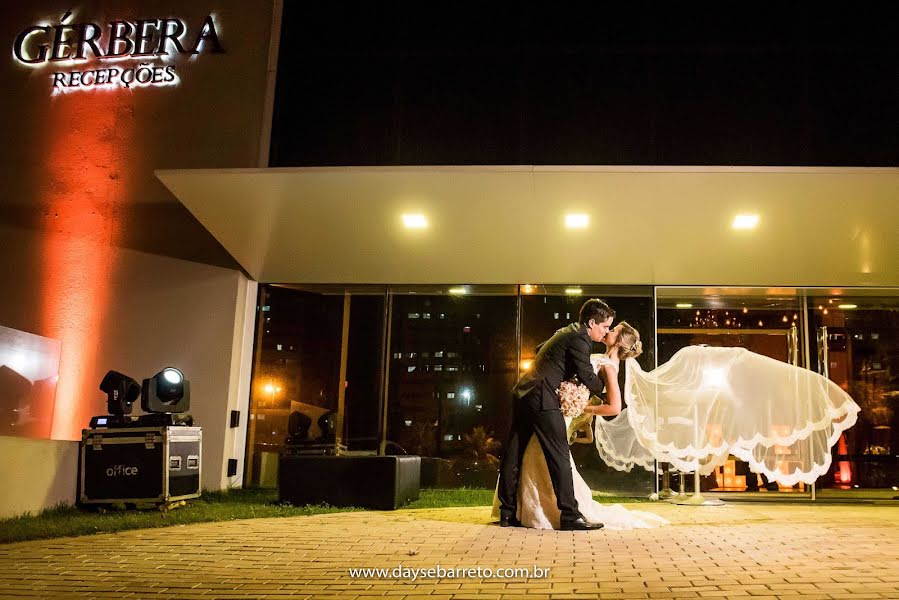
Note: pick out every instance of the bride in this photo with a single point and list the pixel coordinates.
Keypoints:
(537, 507)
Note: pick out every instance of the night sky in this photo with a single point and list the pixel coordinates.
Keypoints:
(383, 85)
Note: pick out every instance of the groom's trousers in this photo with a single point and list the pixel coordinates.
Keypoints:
(549, 427)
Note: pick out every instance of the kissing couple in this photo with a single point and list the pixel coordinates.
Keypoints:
(539, 486)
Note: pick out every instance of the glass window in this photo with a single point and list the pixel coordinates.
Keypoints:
(456, 416)
(860, 329)
(364, 370)
(301, 392)
(445, 428)
(543, 308)
(298, 399)
(755, 319)
(762, 320)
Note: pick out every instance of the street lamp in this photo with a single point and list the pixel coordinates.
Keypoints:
(466, 395)
(271, 388)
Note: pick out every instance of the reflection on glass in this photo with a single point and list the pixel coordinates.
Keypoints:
(295, 376)
(862, 338)
(29, 369)
(758, 324)
(764, 321)
(548, 308)
(297, 387)
(364, 367)
(453, 355)
(452, 366)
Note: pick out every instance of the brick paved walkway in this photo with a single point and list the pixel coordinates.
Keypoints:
(746, 551)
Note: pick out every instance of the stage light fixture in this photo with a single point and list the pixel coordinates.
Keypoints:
(121, 392)
(166, 392)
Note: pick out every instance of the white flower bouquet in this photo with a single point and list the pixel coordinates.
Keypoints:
(573, 397)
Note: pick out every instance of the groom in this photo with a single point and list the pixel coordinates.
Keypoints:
(536, 411)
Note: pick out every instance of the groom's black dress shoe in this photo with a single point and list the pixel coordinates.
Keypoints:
(509, 522)
(579, 524)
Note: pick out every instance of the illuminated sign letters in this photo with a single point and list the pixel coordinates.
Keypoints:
(147, 41)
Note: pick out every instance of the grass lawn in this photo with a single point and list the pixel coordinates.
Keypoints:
(211, 506)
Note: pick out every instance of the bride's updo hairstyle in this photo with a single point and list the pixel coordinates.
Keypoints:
(629, 344)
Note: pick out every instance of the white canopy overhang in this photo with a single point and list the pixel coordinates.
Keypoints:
(647, 225)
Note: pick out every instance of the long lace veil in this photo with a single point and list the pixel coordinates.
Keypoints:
(708, 403)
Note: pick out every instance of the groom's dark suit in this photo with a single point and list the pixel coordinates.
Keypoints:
(536, 411)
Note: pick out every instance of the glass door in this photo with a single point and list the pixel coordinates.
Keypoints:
(855, 333)
(767, 321)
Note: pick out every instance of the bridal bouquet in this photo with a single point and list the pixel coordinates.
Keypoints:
(573, 397)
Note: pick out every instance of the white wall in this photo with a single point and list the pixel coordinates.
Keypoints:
(168, 312)
(36, 474)
(159, 312)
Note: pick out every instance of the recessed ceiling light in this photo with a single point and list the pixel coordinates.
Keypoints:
(458, 291)
(847, 306)
(683, 305)
(415, 221)
(573, 291)
(577, 221)
(745, 222)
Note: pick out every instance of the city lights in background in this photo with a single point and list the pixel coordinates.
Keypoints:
(745, 222)
(577, 221)
(415, 221)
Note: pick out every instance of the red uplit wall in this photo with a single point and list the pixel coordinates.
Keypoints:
(91, 160)
(79, 197)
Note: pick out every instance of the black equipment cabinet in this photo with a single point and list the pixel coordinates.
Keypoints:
(139, 464)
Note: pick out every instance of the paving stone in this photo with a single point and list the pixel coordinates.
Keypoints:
(738, 551)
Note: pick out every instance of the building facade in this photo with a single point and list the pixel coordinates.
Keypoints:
(222, 189)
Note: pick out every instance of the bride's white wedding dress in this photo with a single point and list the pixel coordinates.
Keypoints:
(537, 507)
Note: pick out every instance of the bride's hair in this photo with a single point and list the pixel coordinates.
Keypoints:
(629, 344)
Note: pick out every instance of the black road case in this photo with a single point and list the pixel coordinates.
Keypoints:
(139, 464)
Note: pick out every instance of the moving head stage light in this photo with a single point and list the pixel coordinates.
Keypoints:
(166, 392)
(165, 397)
(121, 392)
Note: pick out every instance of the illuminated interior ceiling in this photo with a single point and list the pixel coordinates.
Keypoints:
(646, 225)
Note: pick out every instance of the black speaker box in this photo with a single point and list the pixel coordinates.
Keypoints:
(381, 482)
